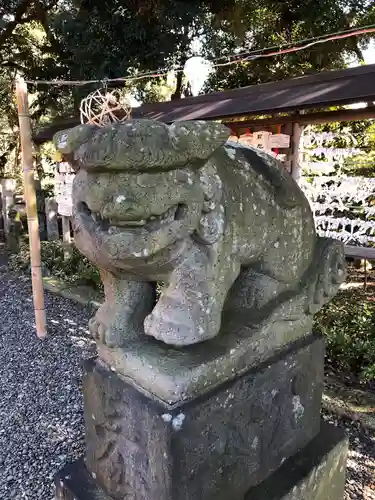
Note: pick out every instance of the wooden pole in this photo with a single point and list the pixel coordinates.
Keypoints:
(278, 131)
(32, 216)
(295, 163)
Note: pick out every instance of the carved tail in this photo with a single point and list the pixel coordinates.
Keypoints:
(330, 265)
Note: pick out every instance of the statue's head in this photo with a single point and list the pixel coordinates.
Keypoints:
(141, 186)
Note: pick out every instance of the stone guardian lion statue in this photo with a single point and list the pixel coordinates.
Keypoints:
(224, 226)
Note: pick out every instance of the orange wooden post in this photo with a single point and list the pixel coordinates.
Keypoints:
(278, 131)
(32, 215)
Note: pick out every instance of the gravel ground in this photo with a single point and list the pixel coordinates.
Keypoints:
(41, 415)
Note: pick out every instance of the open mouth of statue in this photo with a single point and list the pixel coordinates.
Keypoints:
(153, 223)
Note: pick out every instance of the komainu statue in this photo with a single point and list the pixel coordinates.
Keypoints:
(223, 226)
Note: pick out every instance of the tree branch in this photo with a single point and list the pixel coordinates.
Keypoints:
(41, 14)
(18, 18)
(13, 65)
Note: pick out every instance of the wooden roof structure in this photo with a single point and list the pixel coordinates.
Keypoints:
(317, 91)
(328, 88)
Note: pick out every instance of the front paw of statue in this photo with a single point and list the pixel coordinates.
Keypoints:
(179, 325)
(109, 336)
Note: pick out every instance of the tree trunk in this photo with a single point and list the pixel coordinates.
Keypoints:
(179, 84)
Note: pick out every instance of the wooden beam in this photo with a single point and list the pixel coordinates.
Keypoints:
(360, 252)
(310, 118)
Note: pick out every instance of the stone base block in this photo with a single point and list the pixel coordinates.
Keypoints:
(315, 473)
(74, 482)
(216, 446)
(182, 374)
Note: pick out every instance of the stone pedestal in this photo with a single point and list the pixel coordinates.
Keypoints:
(218, 445)
(317, 472)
